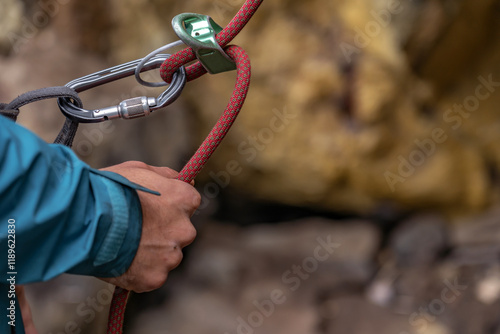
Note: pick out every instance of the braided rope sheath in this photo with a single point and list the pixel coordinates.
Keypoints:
(117, 311)
(219, 131)
(196, 163)
(187, 55)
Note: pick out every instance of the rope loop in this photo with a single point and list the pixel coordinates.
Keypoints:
(187, 55)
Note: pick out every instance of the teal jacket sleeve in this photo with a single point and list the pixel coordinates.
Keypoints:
(60, 215)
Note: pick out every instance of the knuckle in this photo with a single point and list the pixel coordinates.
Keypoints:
(186, 233)
(196, 199)
(189, 196)
(154, 282)
(174, 258)
(190, 233)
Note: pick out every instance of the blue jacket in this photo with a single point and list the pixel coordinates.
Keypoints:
(58, 215)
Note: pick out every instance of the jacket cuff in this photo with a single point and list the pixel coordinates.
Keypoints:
(119, 226)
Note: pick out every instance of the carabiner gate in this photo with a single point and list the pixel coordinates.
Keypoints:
(130, 108)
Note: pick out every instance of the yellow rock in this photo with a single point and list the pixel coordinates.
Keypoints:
(352, 103)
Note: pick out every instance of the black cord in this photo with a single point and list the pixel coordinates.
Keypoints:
(68, 131)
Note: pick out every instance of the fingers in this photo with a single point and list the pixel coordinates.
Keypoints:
(166, 227)
(148, 176)
(163, 171)
(166, 172)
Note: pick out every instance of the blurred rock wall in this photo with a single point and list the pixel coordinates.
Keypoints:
(308, 276)
(354, 105)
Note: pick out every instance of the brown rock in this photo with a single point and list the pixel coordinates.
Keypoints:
(355, 315)
(419, 240)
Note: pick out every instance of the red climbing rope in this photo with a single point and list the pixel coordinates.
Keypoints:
(117, 311)
(196, 163)
(243, 70)
(223, 38)
(219, 131)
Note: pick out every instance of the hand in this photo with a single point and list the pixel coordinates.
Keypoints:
(29, 326)
(166, 225)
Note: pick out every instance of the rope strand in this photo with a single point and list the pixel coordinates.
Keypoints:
(197, 162)
(218, 132)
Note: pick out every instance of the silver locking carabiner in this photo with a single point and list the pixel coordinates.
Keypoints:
(130, 108)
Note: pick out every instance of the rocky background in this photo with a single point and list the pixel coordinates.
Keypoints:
(370, 122)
